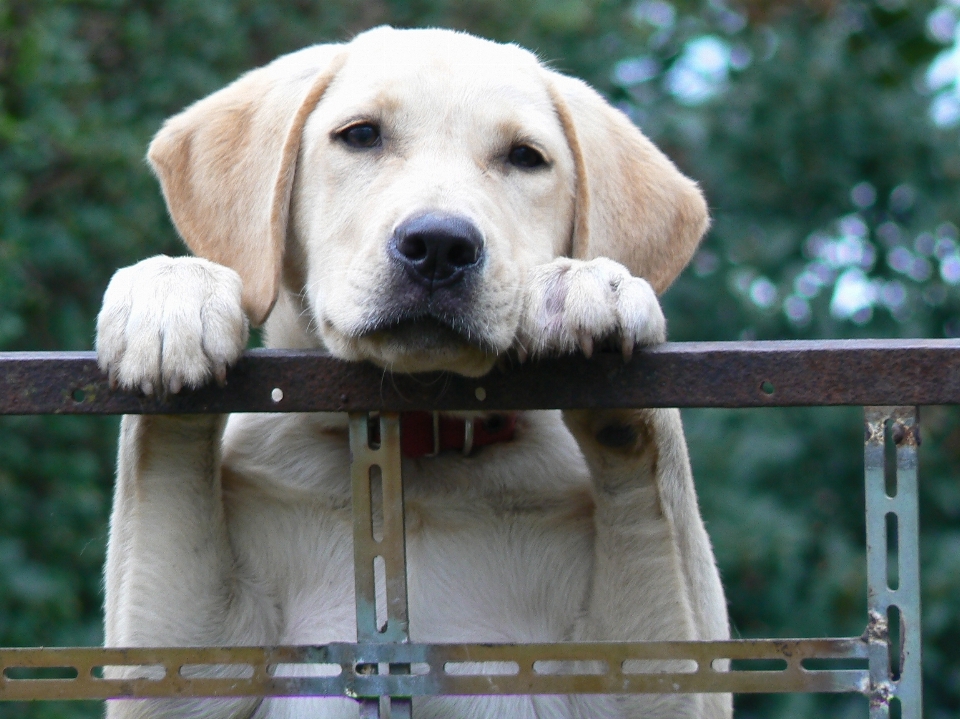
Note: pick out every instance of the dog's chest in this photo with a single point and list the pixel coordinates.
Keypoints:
(492, 555)
(474, 574)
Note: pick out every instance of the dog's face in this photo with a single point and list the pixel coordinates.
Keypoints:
(397, 190)
(432, 175)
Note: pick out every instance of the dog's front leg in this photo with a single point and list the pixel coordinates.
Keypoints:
(172, 578)
(654, 575)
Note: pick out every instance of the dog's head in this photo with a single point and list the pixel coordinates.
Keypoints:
(387, 197)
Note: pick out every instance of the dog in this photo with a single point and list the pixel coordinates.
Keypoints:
(423, 200)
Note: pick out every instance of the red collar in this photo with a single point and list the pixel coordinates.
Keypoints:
(425, 434)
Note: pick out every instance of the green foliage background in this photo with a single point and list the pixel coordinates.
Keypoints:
(813, 139)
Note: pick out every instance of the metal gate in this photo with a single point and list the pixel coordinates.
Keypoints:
(383, 670)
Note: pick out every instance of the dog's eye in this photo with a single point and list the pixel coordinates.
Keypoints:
(525, 156)
(363, 135)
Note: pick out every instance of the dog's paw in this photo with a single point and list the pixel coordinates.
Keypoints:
(573, 303)
(168, 323)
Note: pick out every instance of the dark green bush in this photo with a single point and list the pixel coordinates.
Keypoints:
(811, 133)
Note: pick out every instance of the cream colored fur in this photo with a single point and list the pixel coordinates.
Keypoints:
(237, 531)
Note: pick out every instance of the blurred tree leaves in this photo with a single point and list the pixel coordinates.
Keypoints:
(824, 134)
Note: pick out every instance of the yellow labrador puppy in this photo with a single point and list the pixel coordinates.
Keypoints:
(424, 200)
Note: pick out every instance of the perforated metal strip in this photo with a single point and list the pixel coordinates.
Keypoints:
(893, 561)
(802, 665)
(379, 549)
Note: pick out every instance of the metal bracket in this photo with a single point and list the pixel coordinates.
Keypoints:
(379, 550)
(893, 561)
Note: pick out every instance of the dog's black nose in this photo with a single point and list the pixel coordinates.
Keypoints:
(437, 250)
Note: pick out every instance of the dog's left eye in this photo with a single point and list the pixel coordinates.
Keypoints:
(525, 156)
(363, 135)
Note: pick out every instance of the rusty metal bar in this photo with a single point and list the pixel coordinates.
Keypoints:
(379, 544)
(451, 669)
(694, 374)
(893, 561)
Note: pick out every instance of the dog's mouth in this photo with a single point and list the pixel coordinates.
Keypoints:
(420, 334)
(424, 343)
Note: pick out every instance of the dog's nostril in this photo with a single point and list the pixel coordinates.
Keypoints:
(463, 253)
(413, 248)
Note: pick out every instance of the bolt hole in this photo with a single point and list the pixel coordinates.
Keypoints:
(78, 395)
(766, 387)
(896, 641)
(896, 710)
(380, 589)
(480, 393)
(34, 673)
(276, 394)
(376, 502)
(373, 430)
(893, 552)
(890, 457)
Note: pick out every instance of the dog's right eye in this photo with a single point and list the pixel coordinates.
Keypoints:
(362, 135)
(526, 157)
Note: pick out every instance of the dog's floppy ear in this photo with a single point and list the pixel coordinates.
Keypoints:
(632, 204)
(227, 163)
